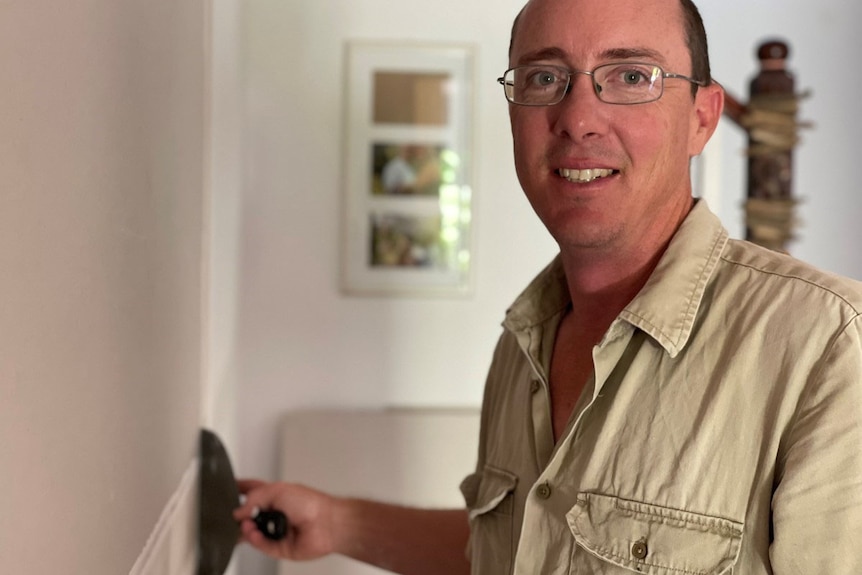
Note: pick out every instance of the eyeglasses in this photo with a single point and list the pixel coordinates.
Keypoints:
(614, 83)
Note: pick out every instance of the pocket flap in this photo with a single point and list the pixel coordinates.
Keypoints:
(654, 539)
(484, 490)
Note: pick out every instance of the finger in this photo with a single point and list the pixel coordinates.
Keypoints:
(260, 496)
(245, 511)
(249, 536)
(252, 535)
(246, 485)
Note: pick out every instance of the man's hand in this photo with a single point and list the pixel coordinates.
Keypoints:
(309, 516)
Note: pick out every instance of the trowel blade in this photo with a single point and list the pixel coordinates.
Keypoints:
(218, 530)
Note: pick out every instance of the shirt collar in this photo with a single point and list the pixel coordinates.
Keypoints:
(666, 306)
(547, 295)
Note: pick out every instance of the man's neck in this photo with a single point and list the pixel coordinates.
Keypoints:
(601, 290)
(602, 282)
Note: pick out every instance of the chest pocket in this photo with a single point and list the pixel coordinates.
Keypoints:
(616, 533)
(489, 497)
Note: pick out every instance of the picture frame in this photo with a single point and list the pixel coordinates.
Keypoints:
(408, 169)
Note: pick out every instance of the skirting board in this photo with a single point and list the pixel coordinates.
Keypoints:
(172, 547)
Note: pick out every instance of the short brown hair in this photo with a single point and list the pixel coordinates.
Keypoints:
(698, 49)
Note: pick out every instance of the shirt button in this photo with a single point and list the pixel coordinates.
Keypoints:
(640, 550)
(543, 491)
(535, 386)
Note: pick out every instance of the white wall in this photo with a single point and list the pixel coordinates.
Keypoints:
(300, 343)
(101, 186)
(222, 216)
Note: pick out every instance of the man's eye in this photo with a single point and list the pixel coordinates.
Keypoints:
(543, 78)
(547, 78)
(633, 77)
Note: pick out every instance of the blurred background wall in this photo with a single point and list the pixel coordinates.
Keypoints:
(301, 343)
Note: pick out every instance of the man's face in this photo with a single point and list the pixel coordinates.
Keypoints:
(642, 150)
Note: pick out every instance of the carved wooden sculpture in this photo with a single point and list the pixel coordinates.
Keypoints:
(770, 121)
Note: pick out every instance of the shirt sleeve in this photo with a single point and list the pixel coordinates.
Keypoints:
(817, 497)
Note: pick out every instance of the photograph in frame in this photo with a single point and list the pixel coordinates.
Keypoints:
(408, 170)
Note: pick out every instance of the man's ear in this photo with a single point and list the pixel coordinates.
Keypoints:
(708, 107)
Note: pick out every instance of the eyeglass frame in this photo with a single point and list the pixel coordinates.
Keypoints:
(596, 87)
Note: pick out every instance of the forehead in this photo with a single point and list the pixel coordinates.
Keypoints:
(586, 32)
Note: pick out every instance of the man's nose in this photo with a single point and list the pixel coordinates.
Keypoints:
(578, 114)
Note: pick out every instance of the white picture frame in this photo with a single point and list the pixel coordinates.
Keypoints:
(408, 169)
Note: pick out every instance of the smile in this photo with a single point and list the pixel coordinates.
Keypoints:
(585, 176)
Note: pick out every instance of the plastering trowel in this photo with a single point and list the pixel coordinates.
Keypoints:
(218, 531)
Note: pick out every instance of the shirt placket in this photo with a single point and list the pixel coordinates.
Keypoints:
(546, 506)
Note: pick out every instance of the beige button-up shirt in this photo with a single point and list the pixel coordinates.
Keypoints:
(721, 433)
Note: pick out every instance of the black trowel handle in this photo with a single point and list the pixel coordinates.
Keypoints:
(273, 524)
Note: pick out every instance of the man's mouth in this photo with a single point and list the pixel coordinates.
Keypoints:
(585, 176)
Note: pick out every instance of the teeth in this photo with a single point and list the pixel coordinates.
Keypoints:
(584, 176)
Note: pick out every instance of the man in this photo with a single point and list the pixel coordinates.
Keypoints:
(663, 399)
